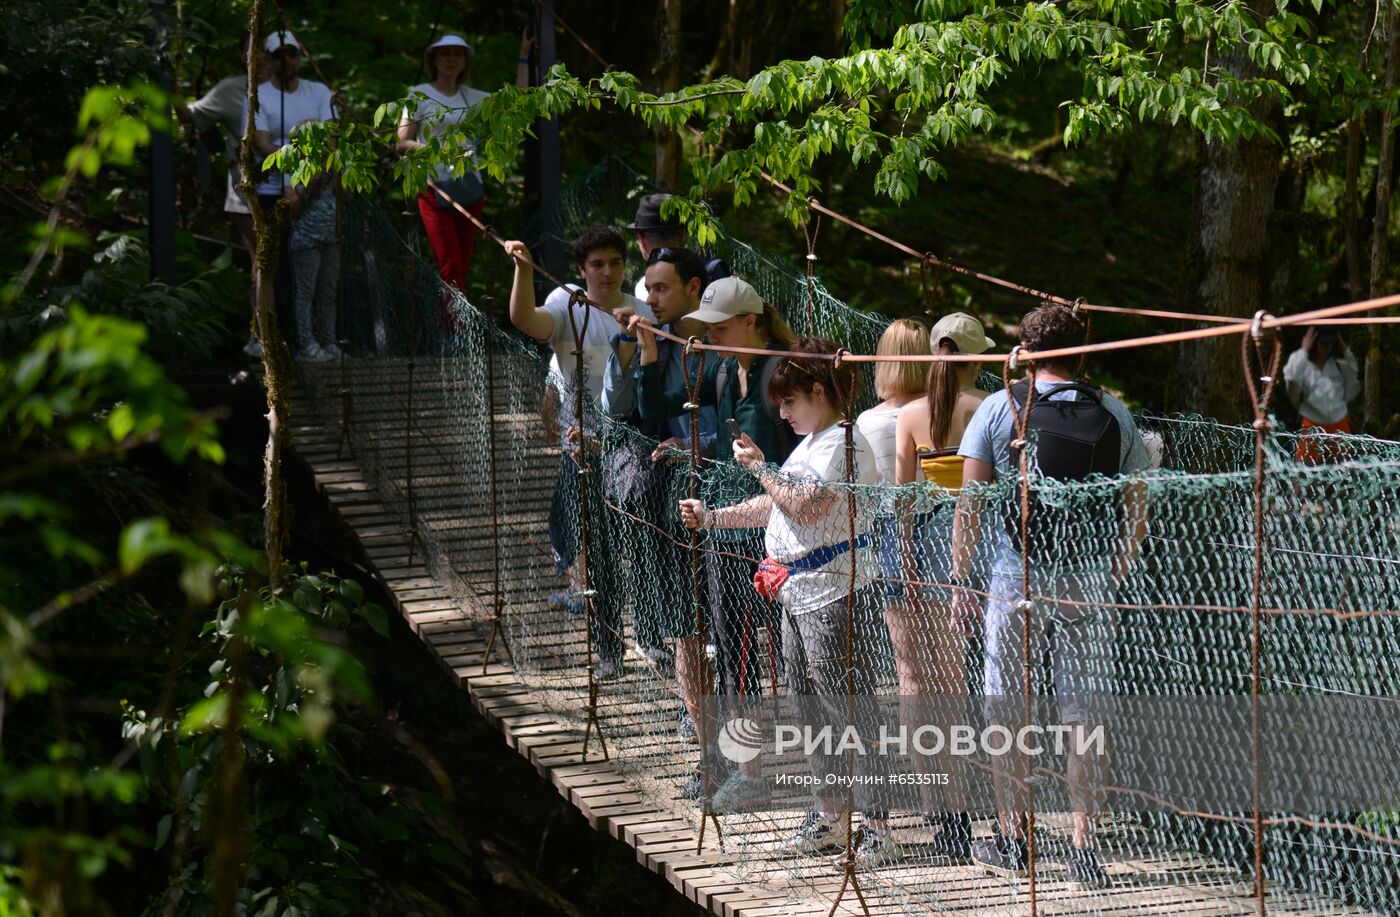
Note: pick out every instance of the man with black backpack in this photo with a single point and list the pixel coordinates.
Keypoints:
(1078, 547)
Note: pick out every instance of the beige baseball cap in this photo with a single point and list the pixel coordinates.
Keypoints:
(726, 298)
(964, 331)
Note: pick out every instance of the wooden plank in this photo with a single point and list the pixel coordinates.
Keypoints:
(621, 801)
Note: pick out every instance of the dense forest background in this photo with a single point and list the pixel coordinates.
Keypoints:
(184, 732)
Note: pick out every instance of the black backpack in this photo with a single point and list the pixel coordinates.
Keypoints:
(1074, 438)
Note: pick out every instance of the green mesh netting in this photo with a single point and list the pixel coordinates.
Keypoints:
(446, 414)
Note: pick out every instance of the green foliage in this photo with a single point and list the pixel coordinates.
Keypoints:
(928, 88)
(88, 411)
(182, 321)
(84, 394)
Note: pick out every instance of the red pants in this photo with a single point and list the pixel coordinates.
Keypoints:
(452, 237)
(1315, 450)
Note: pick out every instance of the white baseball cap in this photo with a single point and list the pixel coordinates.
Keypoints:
(452, 41)
(963, 330)
(275, 41)
(726, 298)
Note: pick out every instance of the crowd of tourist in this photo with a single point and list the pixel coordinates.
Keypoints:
(775, 405)
(780, 543)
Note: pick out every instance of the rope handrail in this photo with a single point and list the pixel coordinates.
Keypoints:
(1061, 353)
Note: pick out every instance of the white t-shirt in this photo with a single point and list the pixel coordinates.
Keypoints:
(597, 345)
(279, 112)
(224, 104)
(438, 111)
(877, 425)
(822, 457)
(1321, 393)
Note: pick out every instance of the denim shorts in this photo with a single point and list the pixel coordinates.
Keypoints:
(1078, 637)
(932, 544)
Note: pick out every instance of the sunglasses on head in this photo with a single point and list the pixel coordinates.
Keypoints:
(661, 254)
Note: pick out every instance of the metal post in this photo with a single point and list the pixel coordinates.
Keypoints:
(488, 303)
(161, 215)
(543, 179)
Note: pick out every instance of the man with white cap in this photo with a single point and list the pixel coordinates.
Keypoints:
(284, 102)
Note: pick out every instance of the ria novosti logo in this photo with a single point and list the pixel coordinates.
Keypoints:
(741, 740)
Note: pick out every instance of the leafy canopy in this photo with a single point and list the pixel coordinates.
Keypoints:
(922, 78)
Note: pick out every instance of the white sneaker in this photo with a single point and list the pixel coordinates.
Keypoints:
(331, 351)
(819, 833)
(253, 348)
(877, 848)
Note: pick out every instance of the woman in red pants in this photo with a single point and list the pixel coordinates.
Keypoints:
(441, 102)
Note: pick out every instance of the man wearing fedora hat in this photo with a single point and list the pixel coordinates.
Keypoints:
(654, 232)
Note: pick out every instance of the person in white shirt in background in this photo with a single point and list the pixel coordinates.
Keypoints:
(599, 252)
(286, 101)
(808, 535)
(442, 102)
(1321, 378)
(224, 105)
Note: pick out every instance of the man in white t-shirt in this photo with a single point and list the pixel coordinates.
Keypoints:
(599, 252)
(285, 101)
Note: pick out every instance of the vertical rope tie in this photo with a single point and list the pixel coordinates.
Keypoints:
(1088, 333)
(853, 838)
(408, 409)
(342, 335)
(577, 298)
(489, 414)
(810, 303)
(1252, 348)
(931, 291)
(692, 377)
(1025, 606)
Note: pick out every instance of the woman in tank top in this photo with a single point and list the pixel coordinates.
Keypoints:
(930, 658)
(897, 384)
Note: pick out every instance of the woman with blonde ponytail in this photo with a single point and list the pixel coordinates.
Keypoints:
(929, 656)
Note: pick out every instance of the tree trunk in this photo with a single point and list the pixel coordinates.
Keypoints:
(269, 230)
(668, 72)
(1227, 268)
(1349, 207)
(1380, 228)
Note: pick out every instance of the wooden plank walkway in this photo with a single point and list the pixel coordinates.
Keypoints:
(442, 585)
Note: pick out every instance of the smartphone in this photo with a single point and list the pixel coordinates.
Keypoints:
(734, 430)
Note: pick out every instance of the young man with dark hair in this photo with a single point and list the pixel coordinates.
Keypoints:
(1070, 565)
(675, 279)
(599, 252)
